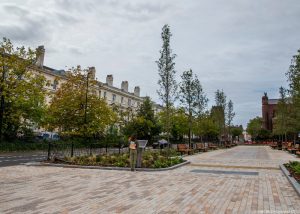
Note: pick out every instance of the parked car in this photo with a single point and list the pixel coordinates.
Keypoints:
(52, 136)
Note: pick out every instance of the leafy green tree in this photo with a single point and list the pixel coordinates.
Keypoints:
(264, 134)
(168, 87)
(180, 125)
(200, 98)
(282, 117)
(205, 127)
(236, 131)
(188, 95)
(230, 115)
(293, 76)
(219, 112)
(218, 117)
(145, 125)
(146, 110)
(76, 110)
(22, 91)
(254, 127)
(220, 99)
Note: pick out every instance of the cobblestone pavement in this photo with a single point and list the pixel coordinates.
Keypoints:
(223, 187)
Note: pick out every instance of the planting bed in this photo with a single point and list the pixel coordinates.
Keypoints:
(294, 169)
(150, 159)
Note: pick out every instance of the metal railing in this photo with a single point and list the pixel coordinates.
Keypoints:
(72, 149)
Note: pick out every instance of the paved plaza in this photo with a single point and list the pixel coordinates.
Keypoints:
(244, 179)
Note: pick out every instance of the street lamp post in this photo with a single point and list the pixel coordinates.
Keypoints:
(86, 98)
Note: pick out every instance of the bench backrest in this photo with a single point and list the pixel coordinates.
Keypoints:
(181, 146)
(199, 145)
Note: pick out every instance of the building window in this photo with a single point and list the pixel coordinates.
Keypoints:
(129, 102)
(138, 103)
(99, 94)
(104, 94)
(114, 97)
(122, 100)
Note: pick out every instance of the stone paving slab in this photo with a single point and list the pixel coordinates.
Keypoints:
(252, 156)
(29, 189)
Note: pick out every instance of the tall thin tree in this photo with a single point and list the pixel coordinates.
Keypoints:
(201, 99)
(220, 111)
(282, 118)
(230, 115)
(188, 94)
(168, 87)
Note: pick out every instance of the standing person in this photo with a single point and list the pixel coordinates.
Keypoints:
(132, 152)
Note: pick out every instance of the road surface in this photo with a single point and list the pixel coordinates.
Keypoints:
(16, 158)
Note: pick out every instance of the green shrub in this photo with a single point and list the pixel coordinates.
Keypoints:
(22, 146)
(150, 159)
(295, 166)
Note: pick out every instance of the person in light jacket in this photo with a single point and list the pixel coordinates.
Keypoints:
(132, 152)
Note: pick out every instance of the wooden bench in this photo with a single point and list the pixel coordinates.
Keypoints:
(201, 147)
(183, 148)
(211, 146)
(290, 146)
(294, 149)
(274, 145)
(229, 144)
(287, 146)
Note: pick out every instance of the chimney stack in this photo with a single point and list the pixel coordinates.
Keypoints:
(265, 99)
(109, 80)
(124, 86)
(137, 91)
(40, 55)
(92, 72)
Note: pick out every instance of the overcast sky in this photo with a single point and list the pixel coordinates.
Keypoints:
(241, 46)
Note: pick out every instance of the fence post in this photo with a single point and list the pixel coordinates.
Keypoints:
(49, 150)
(72, 149)
(90, 147)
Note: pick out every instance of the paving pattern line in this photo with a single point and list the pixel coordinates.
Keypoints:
(232, 166)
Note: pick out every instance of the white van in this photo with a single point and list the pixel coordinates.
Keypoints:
(48, 136)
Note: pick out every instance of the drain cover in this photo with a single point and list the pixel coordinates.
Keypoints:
(224, 172)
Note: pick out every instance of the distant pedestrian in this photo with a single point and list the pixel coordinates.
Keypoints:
(132, 152)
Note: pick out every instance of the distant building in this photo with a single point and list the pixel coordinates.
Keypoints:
(269, 107)
(113, 95)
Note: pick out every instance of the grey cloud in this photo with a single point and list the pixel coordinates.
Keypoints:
(244, 47)
(15, 10)
(75, 51)
(29, 30)
(78, 5)
(33, 25)
(137, 11)
(147, 7)
(65, 18)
